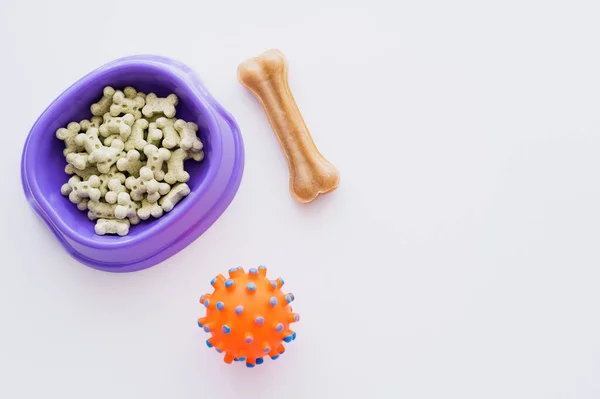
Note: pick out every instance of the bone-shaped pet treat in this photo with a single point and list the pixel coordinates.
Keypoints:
(310, 173)
(103, 105)
(136, 138)
(131, 92)
(117, 125)
(126, 208)
(156, 158)
(171, 137)
(130, 163)
(189, 139)
(95, 121)
(115, 187)
(101, 210)
(89, 140)
(123, 105)
(155, 135)
(68, 135)
(146, 184)
(106, 157)
(155, 105)
(105, 179)
(176, 171)
(78, 190)
(111, 226)
(177, 193)
(84, 173)
(78, 160)
(149, 209)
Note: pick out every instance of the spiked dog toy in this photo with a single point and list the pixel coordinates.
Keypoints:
(248, 316)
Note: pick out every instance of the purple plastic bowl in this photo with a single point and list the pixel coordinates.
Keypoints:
(213, 182)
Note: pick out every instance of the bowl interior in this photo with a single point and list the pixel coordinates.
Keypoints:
(75, 106)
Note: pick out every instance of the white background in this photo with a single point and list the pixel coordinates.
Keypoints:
(458, 258)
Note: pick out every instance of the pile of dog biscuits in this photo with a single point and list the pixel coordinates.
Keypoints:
(127, 162)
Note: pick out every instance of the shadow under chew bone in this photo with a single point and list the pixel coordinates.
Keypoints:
(310, 173)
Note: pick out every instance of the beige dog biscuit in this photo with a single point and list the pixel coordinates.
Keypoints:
(78, 190)
(105, 157)
(156, 158)
(95, 121)
(131, 163)
(170, 135)
(78, 160)
(115, 187)
(123, 105)
(130, 92)
(89, 140)
(83, 173)
(111, 226)
(120, 125)
(310, 174)
(145, 184)
(177, 193)
(109, 140)
(68, 135)
(101, 210)
(83, 205)
(163, 189)
(126, 209)
(155, 105)
(189, 140)
(105, 179)
(136, 139)
(155, 135)
(176, 172)
(103, 105)
(196, 156)
(149, 209)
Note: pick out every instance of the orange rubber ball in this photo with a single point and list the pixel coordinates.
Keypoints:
(248, 316)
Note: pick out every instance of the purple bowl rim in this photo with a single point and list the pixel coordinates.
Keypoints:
(202, 100)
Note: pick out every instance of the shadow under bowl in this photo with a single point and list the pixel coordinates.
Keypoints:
(213, 182)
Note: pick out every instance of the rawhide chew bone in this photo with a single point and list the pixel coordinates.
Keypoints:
(176, 194)
(310, 173)
(120, 125)
(155, 105)
(103, 105)
(187, 131)
(136, 138)
(176, 172)
(111, 226)
(171, 137)
(156, 158)
(123, 105)
(68, 135)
